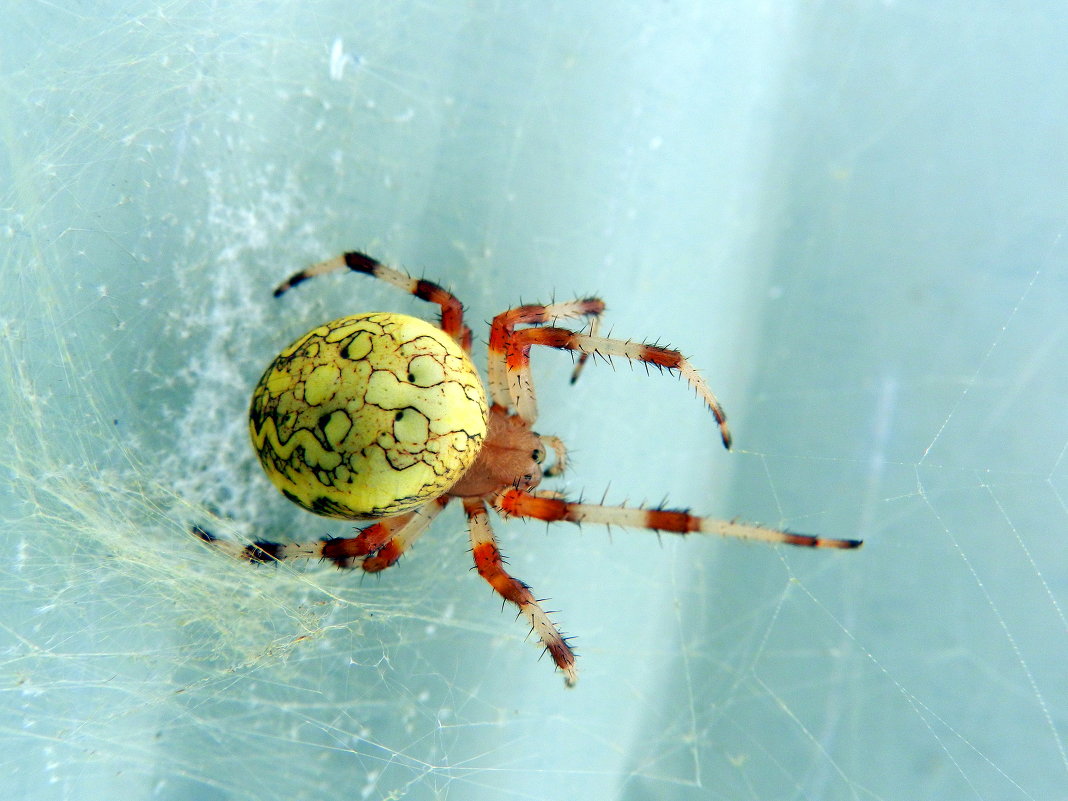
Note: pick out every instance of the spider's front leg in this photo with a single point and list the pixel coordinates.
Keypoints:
(374, 548)
(517, 503)
(490, 566)
(512, 358)
(503, 383)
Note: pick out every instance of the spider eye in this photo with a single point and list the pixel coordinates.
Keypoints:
(538, 455)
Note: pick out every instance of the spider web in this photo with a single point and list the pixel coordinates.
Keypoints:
(852, 219)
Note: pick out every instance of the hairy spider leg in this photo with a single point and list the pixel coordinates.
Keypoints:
(503, 328)
(512, 502)
(515, 353)
(595, 327)
(490, 566)
(374, 548)
(452, 311)
(402, 538)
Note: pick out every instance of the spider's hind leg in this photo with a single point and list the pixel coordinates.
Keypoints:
(260, 551)
(452, 318)
(374, 548)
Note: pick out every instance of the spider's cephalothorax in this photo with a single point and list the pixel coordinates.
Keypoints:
(383, 417)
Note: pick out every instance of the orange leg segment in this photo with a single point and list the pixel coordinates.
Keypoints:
(452, 319)
(516, 503)
(517, 365)
(490, 566)
(503, 329)
(372, 549)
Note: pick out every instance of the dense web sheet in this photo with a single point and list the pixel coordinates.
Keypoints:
(852, 220)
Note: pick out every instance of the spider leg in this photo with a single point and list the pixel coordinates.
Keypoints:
(516, 503)
(503, 328)
(544, 493)
(398, 538)
(517, 355)
(595, 327)
(374, 548)
(490, 566)
(452, 321)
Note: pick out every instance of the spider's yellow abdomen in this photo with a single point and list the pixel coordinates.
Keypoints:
(368, 416)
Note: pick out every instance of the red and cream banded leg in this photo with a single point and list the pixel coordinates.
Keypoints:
(490, 566)
(516, 503)
(452, 318)
(372, 549)
(503, 329)
(514, 351)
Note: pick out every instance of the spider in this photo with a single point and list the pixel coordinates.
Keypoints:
(383, 417)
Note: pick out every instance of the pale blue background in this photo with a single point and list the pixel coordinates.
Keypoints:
(850, 215)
